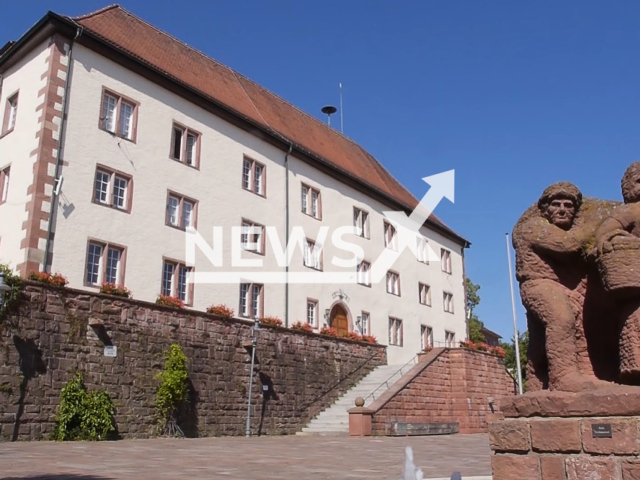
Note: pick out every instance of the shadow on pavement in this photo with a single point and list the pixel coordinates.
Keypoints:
(58, 476)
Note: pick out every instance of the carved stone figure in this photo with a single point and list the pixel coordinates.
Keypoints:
(618, 241)
(554, 242)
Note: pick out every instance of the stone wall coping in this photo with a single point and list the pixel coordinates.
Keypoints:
(616, 400)
(185, 311)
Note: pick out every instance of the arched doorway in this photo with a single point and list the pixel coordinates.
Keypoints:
(339, 320)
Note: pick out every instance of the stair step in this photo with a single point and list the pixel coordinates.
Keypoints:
(334, 420)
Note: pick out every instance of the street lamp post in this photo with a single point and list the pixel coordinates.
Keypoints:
(255, 332)
(4, 290)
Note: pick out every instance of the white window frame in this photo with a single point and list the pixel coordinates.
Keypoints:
(181, 209)
(5, 177)
(364, 273)
(252, 237)
(254, 177)
(174, 290)
(251, 305)
(426, 337)
(393, 283)
(308, 195)
(11, 113)
(112, 198)
(101, 275)
(424, 294)
(117, 125)
(183, 154)
(312, 257)
(449, 339)
(395, 332)
(447, 302)
(445, 260)
(361, 222)
(422, 246)
(365, 323)
(390, 236)
(312, 312)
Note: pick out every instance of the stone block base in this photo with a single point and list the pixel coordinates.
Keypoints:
(564, 436)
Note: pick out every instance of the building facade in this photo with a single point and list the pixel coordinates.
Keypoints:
(158, 141)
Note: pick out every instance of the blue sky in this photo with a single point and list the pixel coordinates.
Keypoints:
(513, 95)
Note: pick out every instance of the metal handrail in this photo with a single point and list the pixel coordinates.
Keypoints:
(413, 361)
(336, 384)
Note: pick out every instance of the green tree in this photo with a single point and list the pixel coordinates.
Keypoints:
(473, 300)
(173, 390)
(510, 358)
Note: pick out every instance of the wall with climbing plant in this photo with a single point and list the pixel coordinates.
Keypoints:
(53, 333)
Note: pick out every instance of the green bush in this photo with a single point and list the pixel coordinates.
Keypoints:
(15, 282)
(83, 414)
(173, 389)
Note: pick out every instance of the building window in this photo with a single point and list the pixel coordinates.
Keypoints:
(448, 302)
(119, 115)
(185, 145)
(422, 250)
(311, 202)
(105, 264)
(176, 281)
(4, 184)
(251, 300)
(424, 294)
(365, 326)
(361, 222)
(312, 255)
(10, 113)
(395, 331)
(252, 237)
(112, 189)
(426, 337)
(449, 339)
(390, 236)
(312, 312)
(393, 283)
(445, 260)
(254, 177)
(364, 273)
(181, 211)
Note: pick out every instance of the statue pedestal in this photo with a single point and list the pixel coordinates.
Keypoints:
(568, 436)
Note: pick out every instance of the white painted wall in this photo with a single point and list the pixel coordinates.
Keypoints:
(223, 202)
(16, 147)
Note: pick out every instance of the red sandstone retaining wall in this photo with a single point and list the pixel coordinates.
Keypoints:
(49, 338)
(447, 385)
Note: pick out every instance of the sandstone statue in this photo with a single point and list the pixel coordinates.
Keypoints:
(618, 241)
(572, 346)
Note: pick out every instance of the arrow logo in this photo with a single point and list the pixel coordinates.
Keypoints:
(408, 227)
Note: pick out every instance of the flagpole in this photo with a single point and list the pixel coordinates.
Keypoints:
(515, 322)
(341, 119)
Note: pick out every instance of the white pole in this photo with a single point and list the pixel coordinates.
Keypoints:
(515, 322)
(341, 119)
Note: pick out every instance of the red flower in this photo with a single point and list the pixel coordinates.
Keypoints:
(113, 289)
(305, 327)
(274, 321)
(220, 310)
(169, 301)
(56, 279)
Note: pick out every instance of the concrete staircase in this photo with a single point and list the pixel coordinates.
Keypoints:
(334, 421)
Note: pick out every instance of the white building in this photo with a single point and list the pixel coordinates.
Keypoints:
(158, 137)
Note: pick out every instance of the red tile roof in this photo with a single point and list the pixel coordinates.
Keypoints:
(125, 31)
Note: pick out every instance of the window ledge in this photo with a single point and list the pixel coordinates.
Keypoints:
(111, 207)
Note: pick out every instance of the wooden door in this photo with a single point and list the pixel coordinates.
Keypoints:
(339, 320)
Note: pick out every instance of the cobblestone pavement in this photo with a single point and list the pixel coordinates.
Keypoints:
(287, 458)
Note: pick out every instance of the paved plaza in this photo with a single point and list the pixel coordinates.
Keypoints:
(287, 458)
